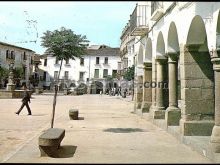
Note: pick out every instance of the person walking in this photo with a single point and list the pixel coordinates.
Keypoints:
(25, 101)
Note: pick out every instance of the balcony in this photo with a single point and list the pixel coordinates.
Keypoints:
(157, 10)
(138, 20)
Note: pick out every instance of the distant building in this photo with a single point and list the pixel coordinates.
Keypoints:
(93, 69)
(21, 57)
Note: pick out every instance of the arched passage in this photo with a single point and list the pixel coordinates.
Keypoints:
(96, 87)
(147, 78)
(215, 137)
(161, 88)
(139, 71)
(197, 82)
(173, 113)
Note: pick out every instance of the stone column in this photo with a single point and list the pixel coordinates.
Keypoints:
(159, 112)
(173, 113)
(139, 92)
(147, 93)
(215, 137)
(153, 89)
(197, 94)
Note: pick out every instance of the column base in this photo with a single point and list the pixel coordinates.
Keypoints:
(159, 113)
(10, 87)
(172, 116)
(145, 106)
(215, 139)
(196, 128)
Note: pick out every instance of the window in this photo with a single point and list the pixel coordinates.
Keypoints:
(97, 60)
(66, 75)
(106, 60)
(24, 56)
(105, 73)
(125, 62)
(81, 75)
(32, 61)
(114, 73)
(45, 62)
(67, 61)
(96, 75)
(7, 54)
(55, 75)
(56, 61)
(155, 5)
(45, 75)
(12, 55)
(81, 61)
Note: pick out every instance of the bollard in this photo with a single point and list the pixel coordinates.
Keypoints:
(73, 114)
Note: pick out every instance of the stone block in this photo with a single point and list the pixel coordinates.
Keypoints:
(73, 114)
(49, 141)
(199, 107)
(145, 106)
(158, 114)
(196, 128)
(172, 116)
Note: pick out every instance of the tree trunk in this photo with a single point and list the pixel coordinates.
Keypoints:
(133, 91)
(55, 96)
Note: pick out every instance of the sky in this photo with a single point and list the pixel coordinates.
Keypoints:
(23, 23)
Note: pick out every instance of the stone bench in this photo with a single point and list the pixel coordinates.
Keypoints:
(49, 141)
(73, 114)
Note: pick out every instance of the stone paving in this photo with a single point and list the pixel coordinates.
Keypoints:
(107, 132)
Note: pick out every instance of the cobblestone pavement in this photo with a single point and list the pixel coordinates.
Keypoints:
(107, 132)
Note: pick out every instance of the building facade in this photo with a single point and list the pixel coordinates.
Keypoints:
(93, 69)
(178, 67)
(20, 58)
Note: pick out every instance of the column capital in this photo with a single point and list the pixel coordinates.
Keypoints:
(147, 65)
(161, 60)
(216, 64)
(173, 57)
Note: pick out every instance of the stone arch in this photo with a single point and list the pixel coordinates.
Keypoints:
(148, 51)
(196, 37)
(197, 82)
(218, 33)
(140, 54)
(96, 87)
(160, 47)
(172, 40)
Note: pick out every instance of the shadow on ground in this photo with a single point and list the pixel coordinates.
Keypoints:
(80, 118)
(123, 130)
(66, 151)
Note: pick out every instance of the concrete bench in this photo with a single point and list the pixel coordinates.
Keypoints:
(49, 141)
(73, 114)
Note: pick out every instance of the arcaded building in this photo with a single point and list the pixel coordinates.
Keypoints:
(178, 67)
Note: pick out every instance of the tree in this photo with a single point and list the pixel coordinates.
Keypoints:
(129, 75)
(63, 44)
(3, 74)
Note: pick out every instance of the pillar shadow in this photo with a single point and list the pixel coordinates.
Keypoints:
(80, 118)
(124, 130)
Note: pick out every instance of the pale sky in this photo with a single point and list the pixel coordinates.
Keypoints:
(101, 21)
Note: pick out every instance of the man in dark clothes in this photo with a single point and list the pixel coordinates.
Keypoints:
(25, 101)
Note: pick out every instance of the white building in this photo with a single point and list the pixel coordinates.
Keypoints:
(99, 62)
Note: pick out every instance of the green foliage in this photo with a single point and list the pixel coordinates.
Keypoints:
(129, 74)
(3, 73)
(64, 44)
(18, 72)
(109, 78)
